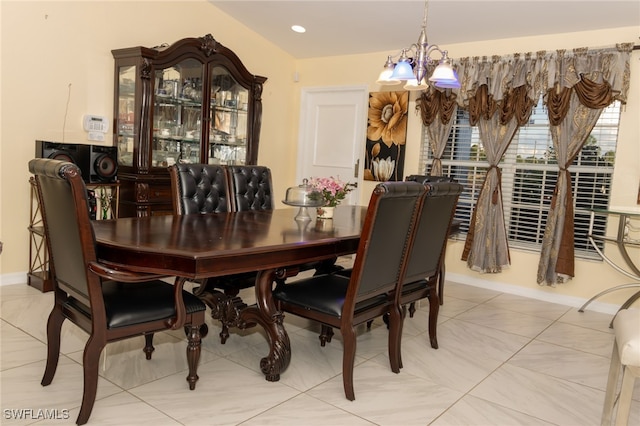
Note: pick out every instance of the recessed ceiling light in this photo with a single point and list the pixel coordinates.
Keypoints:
(298, 28)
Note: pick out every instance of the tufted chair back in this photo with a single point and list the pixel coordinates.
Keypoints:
(199, 188)
(251, 188)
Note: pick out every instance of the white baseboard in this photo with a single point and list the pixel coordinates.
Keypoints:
(15, 278)
(531, 293)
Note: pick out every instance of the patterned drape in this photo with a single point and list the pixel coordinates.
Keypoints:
(486, 248)
(573, 112)
(441, 105)
(499, 93)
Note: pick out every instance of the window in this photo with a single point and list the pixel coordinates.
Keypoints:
(529, 174)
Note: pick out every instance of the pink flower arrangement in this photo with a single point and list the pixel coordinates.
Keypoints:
(333, 190)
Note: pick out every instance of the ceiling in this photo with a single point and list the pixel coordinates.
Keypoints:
(338, 27)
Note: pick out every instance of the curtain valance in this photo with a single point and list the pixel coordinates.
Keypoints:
(542, 71)
(499, 93)
(433, 103)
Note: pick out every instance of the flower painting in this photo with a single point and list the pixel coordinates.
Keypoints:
(386, 136)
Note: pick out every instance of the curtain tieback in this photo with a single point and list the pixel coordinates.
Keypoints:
(496, 190)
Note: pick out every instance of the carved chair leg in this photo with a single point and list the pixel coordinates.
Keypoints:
(194, 346)
(441, 282)
(348, 359)
(434, 307)
(90, 362)
(54, 327)
(403, 315)
(148, 347)
(385, 319)
(326, 333)
(412, 309)
(395, 338)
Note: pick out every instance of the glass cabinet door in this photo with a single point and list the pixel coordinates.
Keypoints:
(125, 124)
(177, 114)
(228, 119)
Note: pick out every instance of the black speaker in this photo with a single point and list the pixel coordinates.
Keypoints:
(98, 164)
(57, 151)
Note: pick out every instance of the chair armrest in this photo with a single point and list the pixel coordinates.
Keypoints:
(122, 275)
(113, 273)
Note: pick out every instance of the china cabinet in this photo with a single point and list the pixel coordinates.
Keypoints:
(191, 102)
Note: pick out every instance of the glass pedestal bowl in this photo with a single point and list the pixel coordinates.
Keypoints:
(303, 196)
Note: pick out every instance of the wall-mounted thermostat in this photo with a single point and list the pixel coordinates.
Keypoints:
(95, 123)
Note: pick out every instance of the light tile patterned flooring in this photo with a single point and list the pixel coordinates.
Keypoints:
(503, 360)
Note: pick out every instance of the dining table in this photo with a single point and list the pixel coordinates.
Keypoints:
(200, 246)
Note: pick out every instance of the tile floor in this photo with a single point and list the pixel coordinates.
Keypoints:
(503, 360)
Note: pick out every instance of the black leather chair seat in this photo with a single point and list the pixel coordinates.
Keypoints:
(325, 294)
(414, 286)
(407, 288)
(136, 303)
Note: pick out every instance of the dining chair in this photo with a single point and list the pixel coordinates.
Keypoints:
(372, 289)
(107, 301)
(205, 188)
(618, 398)
(453, 228)
(251, 188)
(425, 264)
(199, 188)
(426, 256)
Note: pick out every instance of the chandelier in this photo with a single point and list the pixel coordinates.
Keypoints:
(412, 65)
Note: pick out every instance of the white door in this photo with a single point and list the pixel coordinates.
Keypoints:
(333, 124)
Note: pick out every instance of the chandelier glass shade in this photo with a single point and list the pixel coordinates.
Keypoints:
(413, 85)
(403, 71)
(385, 75)
(413, 62)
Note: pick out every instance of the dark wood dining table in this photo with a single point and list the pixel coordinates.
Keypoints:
(199, 246)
